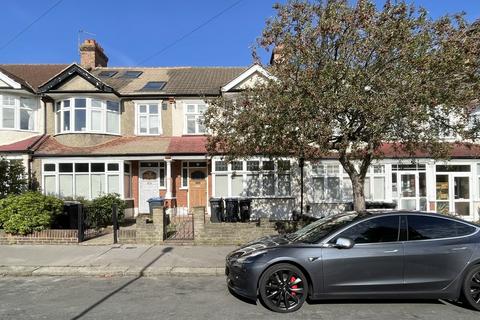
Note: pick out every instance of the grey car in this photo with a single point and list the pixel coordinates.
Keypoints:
(396, 255)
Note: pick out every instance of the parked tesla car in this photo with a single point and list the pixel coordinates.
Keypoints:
(396, 255)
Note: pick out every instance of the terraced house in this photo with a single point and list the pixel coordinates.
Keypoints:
(86, 129)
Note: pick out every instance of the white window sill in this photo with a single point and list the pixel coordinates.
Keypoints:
(183, 188)
(88, 132)
(18, 130)
(148, 135)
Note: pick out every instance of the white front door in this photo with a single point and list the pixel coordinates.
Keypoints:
(149, 185)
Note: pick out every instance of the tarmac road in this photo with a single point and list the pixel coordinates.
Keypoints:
(177, 298)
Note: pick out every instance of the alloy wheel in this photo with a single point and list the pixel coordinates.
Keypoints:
(285, 289)
(475, 287)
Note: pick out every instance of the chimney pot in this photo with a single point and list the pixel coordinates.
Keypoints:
(92, 55)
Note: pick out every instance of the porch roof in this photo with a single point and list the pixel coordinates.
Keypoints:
(128, 146)
(22, 146)
(457, 150)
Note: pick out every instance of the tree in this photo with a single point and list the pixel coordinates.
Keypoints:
(13, 179)
(350, 78)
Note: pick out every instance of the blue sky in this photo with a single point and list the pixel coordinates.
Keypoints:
(131, 31)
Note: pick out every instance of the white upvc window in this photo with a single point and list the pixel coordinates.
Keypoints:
(82, 179)
(87, 115)
(331, 184)
(193, 123)
(252, 178)
(18, 113)
(148, 118)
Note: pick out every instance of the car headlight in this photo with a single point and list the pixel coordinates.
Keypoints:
(248, 258)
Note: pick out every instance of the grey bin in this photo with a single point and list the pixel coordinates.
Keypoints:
(231, 209)
(216, 206)
(155, 202)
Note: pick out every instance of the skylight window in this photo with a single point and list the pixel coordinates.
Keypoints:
(154, 85)
(131, 74)
(107, 74)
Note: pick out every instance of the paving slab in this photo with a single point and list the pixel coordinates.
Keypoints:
(112, 260)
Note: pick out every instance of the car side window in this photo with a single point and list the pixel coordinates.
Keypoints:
(381, 229)
(426, 228)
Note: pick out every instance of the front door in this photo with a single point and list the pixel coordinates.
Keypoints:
(198, 187)
(373, 265)
(149, 185)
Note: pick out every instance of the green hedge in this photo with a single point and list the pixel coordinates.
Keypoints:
(99, 210)
(28, 212)
(13, 178)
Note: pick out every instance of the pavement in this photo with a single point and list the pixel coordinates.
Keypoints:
(112, 260)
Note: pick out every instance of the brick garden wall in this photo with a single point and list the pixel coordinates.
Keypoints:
(52, 236)
(229, 233)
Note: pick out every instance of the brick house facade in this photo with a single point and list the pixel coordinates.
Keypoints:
(87, 129)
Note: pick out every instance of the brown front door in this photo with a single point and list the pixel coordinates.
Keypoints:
(198, 188)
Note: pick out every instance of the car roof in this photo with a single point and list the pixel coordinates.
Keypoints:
(412, 212)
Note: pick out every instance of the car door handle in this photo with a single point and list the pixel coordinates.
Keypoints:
(390, 251)
(459, 249)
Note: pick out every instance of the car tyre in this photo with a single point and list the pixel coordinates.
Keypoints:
(471, 287)
(283, 288)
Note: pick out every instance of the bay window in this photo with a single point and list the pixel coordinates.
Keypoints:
(194, 118)
(18, 113)
(87, 115)
(252, 178)
(82, 180)
(331, 184)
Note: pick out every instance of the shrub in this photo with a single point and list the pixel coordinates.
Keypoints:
(99, 210)
(13, 179)
(28, 212)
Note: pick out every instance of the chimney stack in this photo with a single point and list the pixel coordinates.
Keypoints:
(92, 55)
(276, 56)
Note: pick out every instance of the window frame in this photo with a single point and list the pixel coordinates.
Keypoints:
(138, 114)
(17, 110)
(106, 173)
(330, 169)
(60, 110)
(260, 174)
(198, 117)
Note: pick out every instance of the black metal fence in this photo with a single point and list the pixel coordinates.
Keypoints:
(178, 226)
(76, 212)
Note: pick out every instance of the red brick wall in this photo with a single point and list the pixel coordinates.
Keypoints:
(135, 183)
(180, 194)
(210, 189)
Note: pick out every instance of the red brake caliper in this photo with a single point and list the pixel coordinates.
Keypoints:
(292, 280)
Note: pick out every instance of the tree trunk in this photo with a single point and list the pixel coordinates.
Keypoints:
(358, 194)
(357, 177)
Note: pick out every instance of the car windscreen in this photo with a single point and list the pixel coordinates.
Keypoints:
(319, 229)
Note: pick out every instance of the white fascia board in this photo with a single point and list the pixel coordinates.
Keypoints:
(12, 83)
(245, 75)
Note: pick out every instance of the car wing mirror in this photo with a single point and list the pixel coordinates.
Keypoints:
(344, 243)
